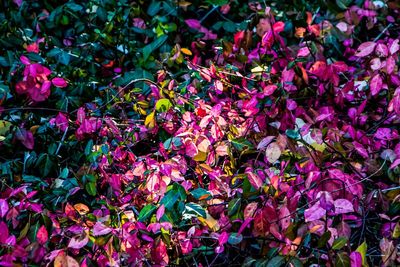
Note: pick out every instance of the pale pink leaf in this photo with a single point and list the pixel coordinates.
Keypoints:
(100, 229)
(365, 49)
(78, 242)
(273, 152)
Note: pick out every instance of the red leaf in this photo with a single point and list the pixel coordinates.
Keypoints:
(261, 224)
(159, 253)
(365, 49)
(278, 27)
(42, 235)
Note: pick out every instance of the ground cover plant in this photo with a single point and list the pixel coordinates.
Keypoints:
(199, 133)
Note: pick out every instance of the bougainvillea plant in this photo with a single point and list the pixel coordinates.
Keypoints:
(199, 133)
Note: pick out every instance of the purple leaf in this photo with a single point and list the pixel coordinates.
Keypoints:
(25, 136)
(193, 23)
(355, 259)
(314, 213)
(343, 206)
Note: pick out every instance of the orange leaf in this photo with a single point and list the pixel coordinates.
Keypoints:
(81, 208)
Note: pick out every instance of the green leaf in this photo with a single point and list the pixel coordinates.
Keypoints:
(293, 134)
(295, 262)
(154, 8)
(163, 105)
(218, 2)
(169, 199)
(234, 206)
(242, 144)
(323, 240)
(201, 194)
(34, 179)
(276, 261)
(146, 212)
(339, 243)
(148, 49)
(91, 188)
(195, 209)
(342, 260)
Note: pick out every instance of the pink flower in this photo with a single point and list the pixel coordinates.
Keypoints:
(61, 121)
(33, 48)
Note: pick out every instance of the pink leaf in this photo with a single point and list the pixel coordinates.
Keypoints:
(42, 235)
(160, 212)
(59, 82)
(365, 49)
(343, 206)
(255, 180)
(4, 232)
(3, 207)
(303, 52)
(375, 84)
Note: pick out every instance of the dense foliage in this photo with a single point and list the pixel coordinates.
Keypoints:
(199, 133)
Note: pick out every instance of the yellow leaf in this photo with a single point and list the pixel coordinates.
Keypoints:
(82, 209)
(210, 222)
(201, 156)
(150, 120)
(186, 51)
(318, 147)
(184, 3)
(362, 249)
